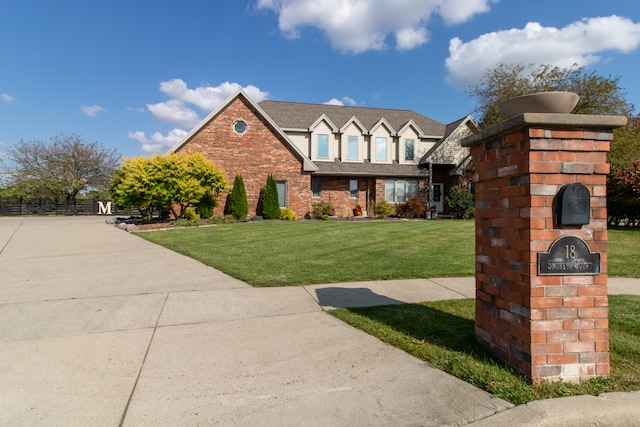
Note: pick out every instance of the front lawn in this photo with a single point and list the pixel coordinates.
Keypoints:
(441, 333)
(281, 253)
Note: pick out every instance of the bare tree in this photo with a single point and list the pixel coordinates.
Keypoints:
(63, 168)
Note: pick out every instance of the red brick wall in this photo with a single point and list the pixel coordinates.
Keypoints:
(255, 154)
(547, 327)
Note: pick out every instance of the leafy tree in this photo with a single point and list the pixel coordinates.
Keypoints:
(270, 202)
(460, 201)
(625, 148)
(598, 95)
(169, 183)
(624, 195)
(63, 168)
(238, 204)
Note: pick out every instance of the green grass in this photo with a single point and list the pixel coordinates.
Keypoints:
(624, 252)
(441, 333)
(274, 253)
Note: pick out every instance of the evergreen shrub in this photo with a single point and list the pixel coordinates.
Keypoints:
(460, 201)
(270, 203)
(238, 204)
(383, 209)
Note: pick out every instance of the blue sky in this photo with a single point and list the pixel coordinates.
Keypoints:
(137, 75)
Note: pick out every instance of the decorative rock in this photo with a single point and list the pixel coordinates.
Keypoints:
(131, 227)
(122, 226)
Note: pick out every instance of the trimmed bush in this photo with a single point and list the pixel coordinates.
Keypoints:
(205, 206)
(270, 203)
(460, 201)
(189, 214)
(238, 204)
(287, 214)
(383, 209)
(322, 210)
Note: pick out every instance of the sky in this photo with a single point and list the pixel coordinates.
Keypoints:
(138, 75)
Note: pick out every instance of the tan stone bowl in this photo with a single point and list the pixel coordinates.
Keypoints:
(541, 102)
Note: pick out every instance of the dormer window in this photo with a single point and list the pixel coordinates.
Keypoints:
(323, 146)
(352, 147)
(381, 149)
(409, 149)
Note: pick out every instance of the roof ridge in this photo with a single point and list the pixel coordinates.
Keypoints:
(340, 106)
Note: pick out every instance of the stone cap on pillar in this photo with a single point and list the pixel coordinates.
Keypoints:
(548, 120)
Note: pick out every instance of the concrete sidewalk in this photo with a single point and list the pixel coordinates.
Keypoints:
(99, 327)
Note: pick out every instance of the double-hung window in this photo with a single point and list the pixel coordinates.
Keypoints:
(323, 146)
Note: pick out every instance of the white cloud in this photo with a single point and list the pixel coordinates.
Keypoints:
(177, 110)
(360, 25)
(345, 100)
(157, 142)
(459, 11)
(6, 97)
(93, 110)
(581, 43)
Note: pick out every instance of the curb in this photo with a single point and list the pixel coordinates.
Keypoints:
(607, 409)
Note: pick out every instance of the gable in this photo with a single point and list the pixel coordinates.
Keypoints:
(449, 151)
(217, 129)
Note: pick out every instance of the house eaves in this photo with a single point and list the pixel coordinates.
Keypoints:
(307, 164)
(339, 168)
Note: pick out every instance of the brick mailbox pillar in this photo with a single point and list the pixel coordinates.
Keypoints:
(541, 243)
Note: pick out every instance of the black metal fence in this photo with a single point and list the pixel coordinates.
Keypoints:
(17, 206)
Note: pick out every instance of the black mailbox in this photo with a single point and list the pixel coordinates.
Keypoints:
(574, 205)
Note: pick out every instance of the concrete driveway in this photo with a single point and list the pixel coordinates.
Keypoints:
(99, 327)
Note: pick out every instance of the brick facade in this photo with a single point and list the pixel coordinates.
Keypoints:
(254, 154)
(548, 327)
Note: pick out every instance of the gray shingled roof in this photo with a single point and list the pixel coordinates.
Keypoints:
(297, 115)
(369, 169)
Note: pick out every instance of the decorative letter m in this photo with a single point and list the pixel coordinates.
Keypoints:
(104, 209)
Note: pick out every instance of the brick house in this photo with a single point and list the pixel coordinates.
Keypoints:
(345, 155)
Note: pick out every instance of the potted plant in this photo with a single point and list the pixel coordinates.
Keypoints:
(357, 211)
